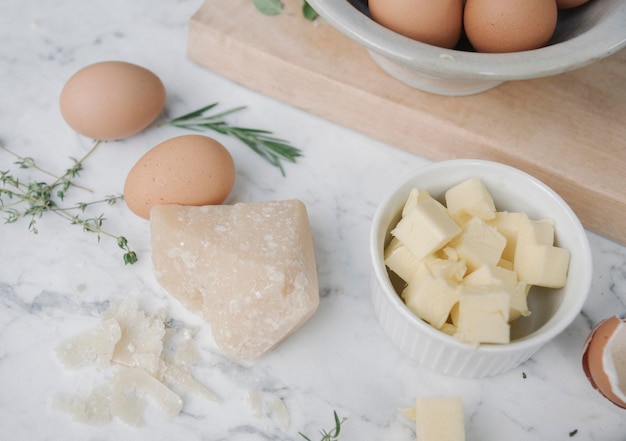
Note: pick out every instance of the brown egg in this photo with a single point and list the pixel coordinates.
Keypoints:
(604, 359)
(186, 170)
(567, 4)
(112, 100)
(436, 22)
(509, 25)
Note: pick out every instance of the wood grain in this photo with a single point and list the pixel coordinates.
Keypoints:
(567, 130)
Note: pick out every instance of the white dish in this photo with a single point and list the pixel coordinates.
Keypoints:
(553, 310)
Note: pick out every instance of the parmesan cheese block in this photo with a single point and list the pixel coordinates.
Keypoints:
(248, 269)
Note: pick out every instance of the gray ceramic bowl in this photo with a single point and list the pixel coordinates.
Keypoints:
(584, 34)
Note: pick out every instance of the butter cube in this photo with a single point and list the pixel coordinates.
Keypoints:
(479, 244)
(400, 260)
(506, 264)
(416, 195)
(539, 232)
(448, 253)
(454, 314)
(543, 231)
(506, 279)
(425, 228)
(483, 315)
(508, 224)
(248, 269)
(439, 419)
(537, 261)
(542, 265)
(450, 270)
(469, 199)
(430, 298)
(519, 301)
(448, 328)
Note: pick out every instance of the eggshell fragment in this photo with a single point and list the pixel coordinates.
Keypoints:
(604, 359)
(185, 170)
(436, 22)
(509, 25)
(111, 100)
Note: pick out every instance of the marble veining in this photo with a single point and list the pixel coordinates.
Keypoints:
(55, 284)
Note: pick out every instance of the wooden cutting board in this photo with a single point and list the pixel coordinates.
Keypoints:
(568, 130)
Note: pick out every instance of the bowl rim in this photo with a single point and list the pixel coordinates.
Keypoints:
(533, 340)
(599, 42)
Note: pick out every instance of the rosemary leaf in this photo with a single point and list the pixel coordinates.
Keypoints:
(263, 142)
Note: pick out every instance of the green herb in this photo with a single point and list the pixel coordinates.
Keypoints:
(270, 148)
(269, 7)
(275, 7)
(31, 200)
(308, 12)
(333, 434)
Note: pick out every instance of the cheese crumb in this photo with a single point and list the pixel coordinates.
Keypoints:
(131, 342)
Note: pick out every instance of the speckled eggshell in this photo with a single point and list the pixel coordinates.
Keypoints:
(185, 170)
(111, 100)
(509, 25)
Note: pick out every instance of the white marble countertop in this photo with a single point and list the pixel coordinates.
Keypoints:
(53, 285)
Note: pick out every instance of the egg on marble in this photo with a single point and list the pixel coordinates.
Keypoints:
(185, 170)
(112, 100)
(604, 359)
(435, 22)
(509, 25)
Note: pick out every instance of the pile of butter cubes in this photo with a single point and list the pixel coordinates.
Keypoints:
(468, 268)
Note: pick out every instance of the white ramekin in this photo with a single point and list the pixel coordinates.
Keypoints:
(552, 309)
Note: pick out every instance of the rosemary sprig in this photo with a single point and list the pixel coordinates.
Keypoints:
(333, 434)
(270, 148)
(32, 200)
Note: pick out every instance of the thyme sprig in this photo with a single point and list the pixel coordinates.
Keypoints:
(333, 434)
(31, 200)
(263, 142)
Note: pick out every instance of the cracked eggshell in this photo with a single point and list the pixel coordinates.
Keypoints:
(604, 359)
(185, 170)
